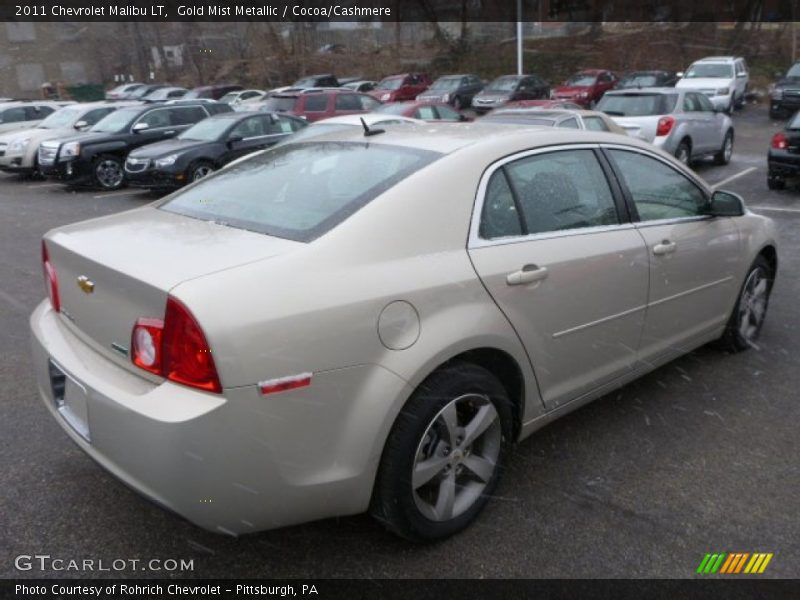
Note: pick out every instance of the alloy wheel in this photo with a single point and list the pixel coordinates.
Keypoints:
(201, 171)
(753, 304)
(109, 173)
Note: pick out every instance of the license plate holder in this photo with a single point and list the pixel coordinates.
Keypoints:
(71, 400)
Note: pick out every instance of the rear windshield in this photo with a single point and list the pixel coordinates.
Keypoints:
(299, 191)
(639, 81)
(637, 105)
(278, 103)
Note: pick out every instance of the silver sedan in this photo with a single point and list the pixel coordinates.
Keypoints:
(370, 320)
(681, 122)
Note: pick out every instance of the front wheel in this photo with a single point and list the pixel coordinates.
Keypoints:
(199, 170)
(444, 455)
(748, 315)
(723, 157)
(108, 173)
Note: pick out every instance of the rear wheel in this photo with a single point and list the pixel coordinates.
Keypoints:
(457, 104)
(108, 173)
(684, 152)
(748, 315)
(444, 455)
(723, 157)
(775, 182)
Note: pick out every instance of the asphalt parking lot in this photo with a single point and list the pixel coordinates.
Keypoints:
(699, 456)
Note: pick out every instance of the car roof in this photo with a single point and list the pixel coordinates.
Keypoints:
(718, 59)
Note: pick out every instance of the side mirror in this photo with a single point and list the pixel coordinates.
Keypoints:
(139, 127)
(742, 75)
(725, 204)
(233, 140)
(679, 74)
(81, 125)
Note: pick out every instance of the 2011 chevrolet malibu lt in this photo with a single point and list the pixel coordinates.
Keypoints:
(369, 320)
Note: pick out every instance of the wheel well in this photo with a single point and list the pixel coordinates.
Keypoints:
(505, 368)
(769, 253)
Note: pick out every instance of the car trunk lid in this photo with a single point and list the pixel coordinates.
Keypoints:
(115, 270)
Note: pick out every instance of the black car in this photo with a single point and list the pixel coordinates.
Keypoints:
(783, 159)
(206, 147)
(646, 79)
(97, 157)
(510, 88)
(313, 81)
(456, 90)
(785, 99)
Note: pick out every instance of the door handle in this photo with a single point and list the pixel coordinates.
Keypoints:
(527, 274)
(665, 247)
(170, 132)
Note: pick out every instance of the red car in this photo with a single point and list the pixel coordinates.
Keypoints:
(400, 88)
(586, 87)
(427, 111)
(315, 105)
(543, 104)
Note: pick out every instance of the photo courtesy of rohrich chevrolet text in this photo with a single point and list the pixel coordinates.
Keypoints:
(399, 298)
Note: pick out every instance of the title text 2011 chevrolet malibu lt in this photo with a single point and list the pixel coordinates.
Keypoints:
(357, 322)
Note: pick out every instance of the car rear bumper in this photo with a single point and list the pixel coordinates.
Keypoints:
(782, 163)
(786, 106)
(232, 463)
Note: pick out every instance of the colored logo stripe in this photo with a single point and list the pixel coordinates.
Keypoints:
(734, 562)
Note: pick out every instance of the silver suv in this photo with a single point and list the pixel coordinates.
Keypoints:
(723, 79)
(679, 121)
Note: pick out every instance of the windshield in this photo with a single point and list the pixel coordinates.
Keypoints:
(446, 83)
(638, 81)
(581, 80)
(116, 121)
(503, 84)
(207, 130)
(390, 83)
(710, 70)
(637, 105)
(299, 191)
(163, 94)
(278, 103)
(198, 93)
(64, 117)
(794, 71)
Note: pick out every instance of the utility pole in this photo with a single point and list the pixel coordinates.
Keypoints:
(519, 37)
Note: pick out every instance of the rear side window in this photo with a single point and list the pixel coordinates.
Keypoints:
(426, 112)
(347, 102)
(595, 124)
(555, 191)
(13, 115)
(316, 103)
(569, 124)
(299, 191)
(657, 190)
(279, 103)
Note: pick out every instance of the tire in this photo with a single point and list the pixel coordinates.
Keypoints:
(449, 494)
(457, 104)
(198, 170)
(684, 152)
(729, 109)
(108, 173)
(774, 182)
(751, 306)
(723, 157)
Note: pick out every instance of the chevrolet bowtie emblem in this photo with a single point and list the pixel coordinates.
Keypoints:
(85, 284)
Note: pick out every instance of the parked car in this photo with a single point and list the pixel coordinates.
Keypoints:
(206, 147)
(456, 90)
(310, 81)
(165, 93)
(568, 119)
(362, 85)
(396, 310)
(586, 87)
(510, 88)
(241, 96)
(143, 92)
(681, 122)
(19, 150)
(723, 79)
(97, 157)
(401, 88)
(316, 105)
(425, 111)
(785, 95)
(546, 104)
(26, 114)
(647, 79)
(211, 92)
(783, 157)
(122, 92)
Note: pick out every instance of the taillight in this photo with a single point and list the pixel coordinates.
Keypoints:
(779, 141)
(664, 126)
(175, 348)
(50, 279)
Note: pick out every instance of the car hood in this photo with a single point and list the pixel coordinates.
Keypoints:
(168, 147)
(704, 82)
(494, 95)
(83, 138)
(37, 134)
(788, 82)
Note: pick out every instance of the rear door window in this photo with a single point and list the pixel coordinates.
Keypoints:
(316, 103)
(13, 115)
